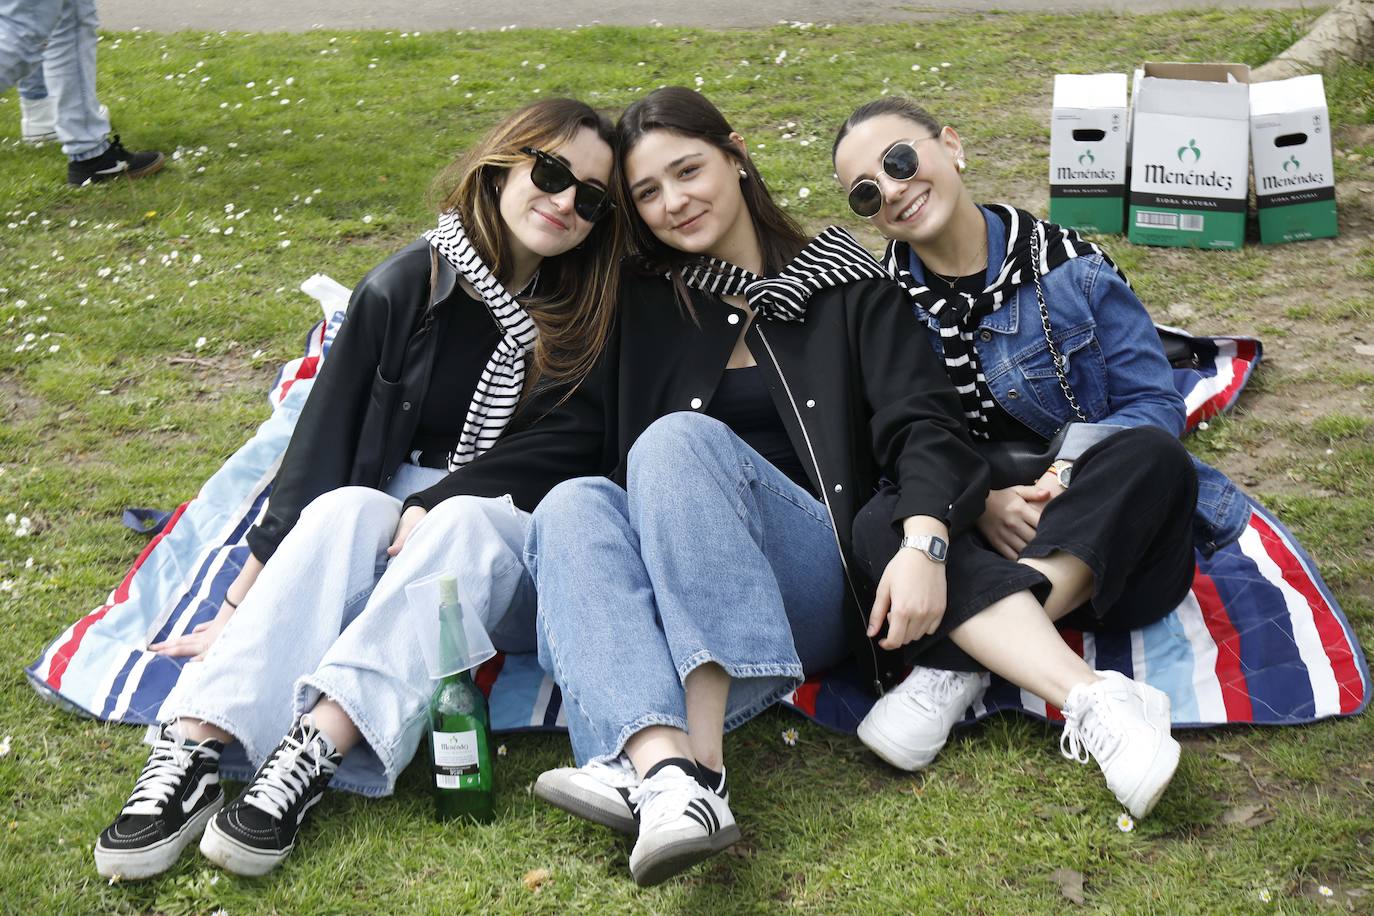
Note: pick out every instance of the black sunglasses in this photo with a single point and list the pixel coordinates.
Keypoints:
(552, 175)
(899, 163)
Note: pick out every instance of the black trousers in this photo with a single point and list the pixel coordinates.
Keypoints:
(1127, 514)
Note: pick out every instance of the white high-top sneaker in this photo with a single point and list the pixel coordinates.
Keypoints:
(38, 119)
(1120, 727)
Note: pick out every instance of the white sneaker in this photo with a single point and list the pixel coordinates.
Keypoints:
(681, 822)
(599, 792)
(1119, 725)
(909, 724)
(38, 119)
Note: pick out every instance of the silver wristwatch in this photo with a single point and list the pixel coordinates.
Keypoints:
(931, 545)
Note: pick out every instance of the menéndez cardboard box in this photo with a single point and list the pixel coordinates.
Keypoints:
(1295, 188)
(1190, 156)
(1088, 151)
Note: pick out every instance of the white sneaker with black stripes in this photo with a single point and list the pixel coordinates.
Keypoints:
(600, 791)
(681, 822)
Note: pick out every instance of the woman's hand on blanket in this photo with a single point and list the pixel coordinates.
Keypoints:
(197, 642)
(1010, 516)
(911, 597)
(409, 519)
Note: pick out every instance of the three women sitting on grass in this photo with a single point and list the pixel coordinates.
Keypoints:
(778, 463)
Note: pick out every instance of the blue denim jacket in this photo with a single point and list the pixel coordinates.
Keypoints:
(1115, 364)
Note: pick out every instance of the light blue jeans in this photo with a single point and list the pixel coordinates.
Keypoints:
(328, 616)
(59, 36)
(711, 554)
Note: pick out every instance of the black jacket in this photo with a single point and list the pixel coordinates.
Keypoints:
(860, 394)
(358, 423)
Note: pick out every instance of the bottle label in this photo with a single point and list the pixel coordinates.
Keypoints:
(455, 759)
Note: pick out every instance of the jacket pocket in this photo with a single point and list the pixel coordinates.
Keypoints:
(374, 434)
(1085, 367)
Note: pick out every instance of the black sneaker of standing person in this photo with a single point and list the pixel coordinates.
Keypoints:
(175, 795)
(115, 162)
(255, 833)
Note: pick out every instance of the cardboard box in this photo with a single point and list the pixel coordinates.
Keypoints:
(1088, 151)
(1190, 156)
(1295, 187)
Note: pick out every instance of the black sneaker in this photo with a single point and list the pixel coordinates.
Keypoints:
(115, 162)
(252, 835)
(176, 794)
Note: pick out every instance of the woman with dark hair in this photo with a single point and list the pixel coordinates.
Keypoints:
(1044, 340)
(765, 383)
(476, 330)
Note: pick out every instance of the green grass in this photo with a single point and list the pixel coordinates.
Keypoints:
(132, 409)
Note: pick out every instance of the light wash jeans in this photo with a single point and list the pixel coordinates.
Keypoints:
(60, 37)
(710, 555)
(328, 616)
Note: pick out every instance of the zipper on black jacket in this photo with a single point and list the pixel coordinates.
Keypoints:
(825, 500)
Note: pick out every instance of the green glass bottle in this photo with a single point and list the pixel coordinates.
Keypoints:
(459, 741)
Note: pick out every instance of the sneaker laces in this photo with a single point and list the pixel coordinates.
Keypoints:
(289, 772)
(618, 772)
(162, 774)
(671, 784)
(931, 688)
(1088, 728)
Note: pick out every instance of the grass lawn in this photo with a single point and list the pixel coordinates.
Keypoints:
(141, 323)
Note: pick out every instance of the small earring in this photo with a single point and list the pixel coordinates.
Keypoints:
(743, 175)
(961, 164)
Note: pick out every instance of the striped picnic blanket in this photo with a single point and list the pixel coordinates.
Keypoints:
(1259, 640)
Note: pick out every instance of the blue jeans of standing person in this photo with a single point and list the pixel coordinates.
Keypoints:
(710, 554)
(328, 616)
(60, 37)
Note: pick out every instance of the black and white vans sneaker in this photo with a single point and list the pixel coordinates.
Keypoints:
(600, 792)
(175, 795)
(253, 835)
(115, 162)
(681, 822)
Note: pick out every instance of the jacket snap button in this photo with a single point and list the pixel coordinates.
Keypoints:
(696, 403)
(405, 405)
(733, 319)
(811, 403)
(839, 488)
(985, 336)
(1013, 394)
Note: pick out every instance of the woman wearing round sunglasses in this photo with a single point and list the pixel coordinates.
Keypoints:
(478, 329)
(1037, 329)
(763, 382)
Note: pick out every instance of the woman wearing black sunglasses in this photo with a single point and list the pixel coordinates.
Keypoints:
(1042, 336)
(483, 326)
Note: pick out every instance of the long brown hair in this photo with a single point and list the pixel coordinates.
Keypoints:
(575, 298)
(688, 113)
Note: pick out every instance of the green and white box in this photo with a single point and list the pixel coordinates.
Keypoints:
(1190, 157)
(1295, 187)
(1088, 151)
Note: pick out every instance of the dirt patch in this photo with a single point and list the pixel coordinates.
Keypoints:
(17, 405)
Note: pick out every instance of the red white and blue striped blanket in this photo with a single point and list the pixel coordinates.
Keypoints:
(1259, 640)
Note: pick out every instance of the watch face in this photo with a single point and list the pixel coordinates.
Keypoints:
(1065, 475)
(938, 549)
